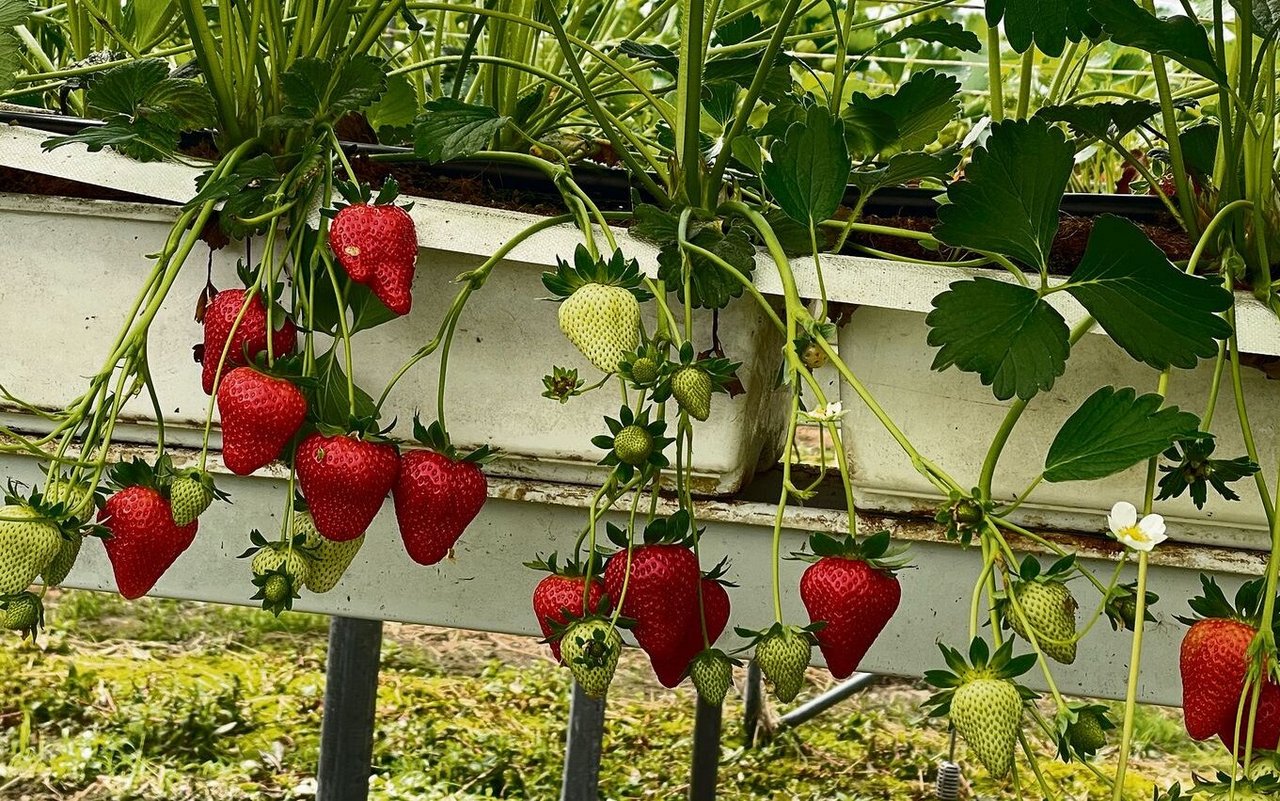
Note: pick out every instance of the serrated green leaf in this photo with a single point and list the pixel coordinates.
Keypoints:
(905, 168)
(12, 14)
(396, 108)
(1048, 23)
(1179, 38)
(187, 102)
(908, 119)
(1008, 201)
(1113, 430)
(1007, 334)
(937, 31)
(809, 167)
(1266, 15)
(450, 129)
(312, 94)
(710, 285)
(1160, 315)
(121, 90)
(1102, 120)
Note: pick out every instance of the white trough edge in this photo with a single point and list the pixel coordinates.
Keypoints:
(479, 231)
(486, 587)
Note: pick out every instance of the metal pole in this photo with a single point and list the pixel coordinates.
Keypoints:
(350, 699)
(751, 699)
(582, 748)
(823, 702)
(706, 752)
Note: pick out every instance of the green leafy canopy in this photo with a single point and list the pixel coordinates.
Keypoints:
(1179, 38)
(144, 110)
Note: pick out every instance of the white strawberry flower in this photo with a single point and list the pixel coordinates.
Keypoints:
(830, 413)
(1140, 535)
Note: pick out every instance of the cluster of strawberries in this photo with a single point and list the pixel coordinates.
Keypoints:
(344, 476)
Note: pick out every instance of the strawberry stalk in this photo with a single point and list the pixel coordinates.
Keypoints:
(1135, 654)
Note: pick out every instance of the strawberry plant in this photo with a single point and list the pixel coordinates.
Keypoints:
(752, 164)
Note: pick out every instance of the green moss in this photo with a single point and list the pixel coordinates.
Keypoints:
(156, 700)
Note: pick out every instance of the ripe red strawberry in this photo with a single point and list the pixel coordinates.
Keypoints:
(377, 244)
(715, 601)
(662, 593)
(437, 495)
(1214, 663)
(558, 597)
(345, 479)
(852, 589)
(144, 540)
(1266, 725)
(260, 414)
(250, 336)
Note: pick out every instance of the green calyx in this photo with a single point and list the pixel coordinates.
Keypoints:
(1212, 604)
(876, 550)
(617, 271)
(633, 443)
(571, 567)
(676, 529)
(562, 384)
(1121, 606)
(435, 438)
(980, 664)
(963, 515)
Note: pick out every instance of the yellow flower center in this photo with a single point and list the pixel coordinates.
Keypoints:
(1134, 533)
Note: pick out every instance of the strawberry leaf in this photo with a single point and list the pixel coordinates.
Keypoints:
(1159, 314)
(809, 167)
(450, 129)
(1006, 333)
(1113, 430)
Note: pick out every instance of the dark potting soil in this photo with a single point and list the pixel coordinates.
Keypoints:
(33, 183)
(491, 187)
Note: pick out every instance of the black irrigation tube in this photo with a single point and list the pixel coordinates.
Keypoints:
(613, 188)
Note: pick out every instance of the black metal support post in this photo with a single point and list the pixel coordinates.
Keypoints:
(582, 748)
(350, 698)
(752, 696)
(822, 703)
(706, 752)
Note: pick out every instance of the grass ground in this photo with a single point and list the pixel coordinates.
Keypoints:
(163, 701)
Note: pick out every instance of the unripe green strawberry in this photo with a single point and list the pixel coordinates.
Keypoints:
(1051, 610)
(712, 675)
(189, 496)
(279, 569)
(74, 496)
(28, 543)
(60, 566)
(22, 613)
(279, 556)
(691, 387)
(813, 356)
(603, 322)
(327, 559)
(277, 590)
(645, 370)
(783, 655)
(988, 713)
(633, 444)
(590, 648)
(1086, 734)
